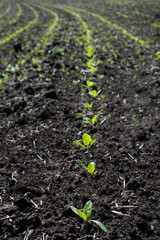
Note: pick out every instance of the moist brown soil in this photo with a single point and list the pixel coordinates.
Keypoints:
(39, 176)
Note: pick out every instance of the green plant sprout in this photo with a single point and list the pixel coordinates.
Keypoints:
(90, 168)
(89, 106)
(86, 214)
(94, 93)
(87, 120)
(102, 96)
(122, 15)
(157, 54)
(91, 65)
(87, 141)
(134, 117)
(90, 51)
(94, 120)
(90, 84)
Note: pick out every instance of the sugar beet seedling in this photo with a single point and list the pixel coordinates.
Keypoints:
(87, 141)
(91, 122)
(90, 168)
(86, 215)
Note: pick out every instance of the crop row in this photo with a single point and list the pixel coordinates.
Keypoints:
(91, 63)
(41, 41)
(123, 31)
(6, 11)
(19, 31)
(17, 16)
(89, 88)
(91, 94)
(90, 66)
(142, 45)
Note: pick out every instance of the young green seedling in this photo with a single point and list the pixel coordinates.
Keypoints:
(90, 168)
(87, 120)
(94, 93)
(89, 106)
(91, 65)
(89, 85)
(94, 120)
(87, 141)
(134, 117)
(86, 215)
(90, 51)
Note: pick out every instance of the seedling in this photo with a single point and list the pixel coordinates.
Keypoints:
(134, 117)
(87, 120)
(94, 93)
(91, 65)
(90, 168)
(86, 215)
(89, 106)
(89, 85)
(90, 51)
(87, 141)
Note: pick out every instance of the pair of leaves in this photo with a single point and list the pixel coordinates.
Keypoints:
(86, 214)
(90, 51)
(90, 168)
(94, 93)
(87, 210)
(92, 121)
(90, 84)
(89, 106)
(87, 141)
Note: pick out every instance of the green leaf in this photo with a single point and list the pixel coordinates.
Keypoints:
(74, 209)
(93, 141)
(94, 119)
(84, 85)
(81, 164)
(90, 83)
(89, 55)
(76, 82)
(99, 91)
(88, 209)
(88, 64)
(100, 225)
(82, 215)
(86, 139)
(94, 93)
(92, 68)
(91, 167)
(80, 144)
(89, 106)
(86, 120)
(79, 213)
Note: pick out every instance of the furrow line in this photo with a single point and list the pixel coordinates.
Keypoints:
(91, 63)
(1, 5)
(19, 13)
(110, 24)
(45, 39)
(6, 11)
(122, 30)
(76, 15)
(22, 29)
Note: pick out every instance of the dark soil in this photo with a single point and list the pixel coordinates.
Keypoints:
(39, 176)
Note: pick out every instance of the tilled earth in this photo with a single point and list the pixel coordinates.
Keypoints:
(39, 122)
